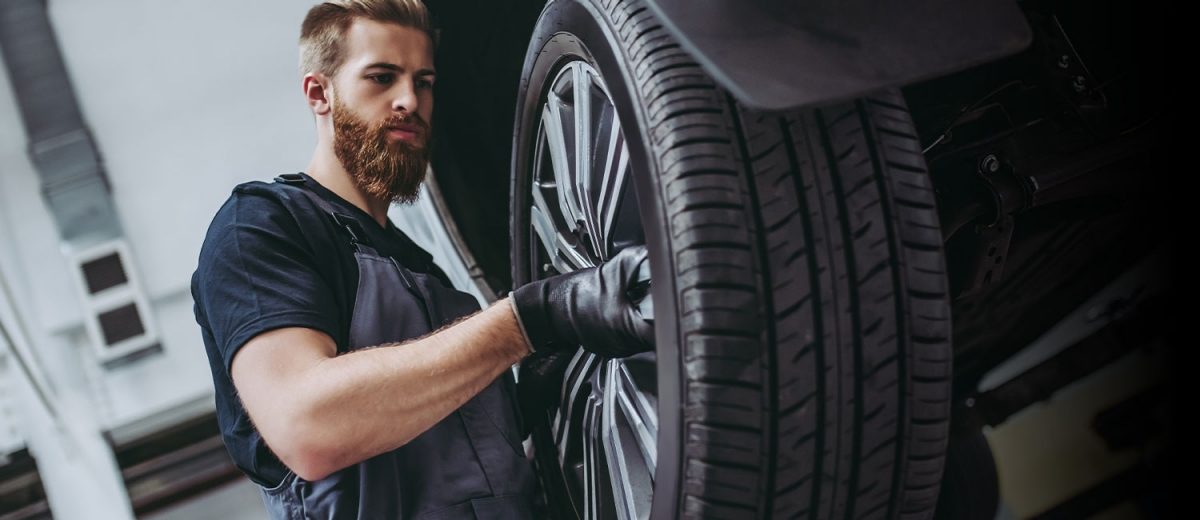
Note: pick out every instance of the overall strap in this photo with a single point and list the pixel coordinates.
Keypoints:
(349, 225)
(414, 256)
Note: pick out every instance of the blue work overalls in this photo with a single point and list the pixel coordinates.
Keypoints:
(468, 465)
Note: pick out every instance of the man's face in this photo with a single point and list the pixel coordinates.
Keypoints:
(381, 106)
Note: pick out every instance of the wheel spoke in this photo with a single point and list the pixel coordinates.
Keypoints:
(616, 165)
(595, 494)
(564, 256)
(556, 225)
(578, 373)
(561, 131)
(628, 472)
(581, 84)
(640, 408)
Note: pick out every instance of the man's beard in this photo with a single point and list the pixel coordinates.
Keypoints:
(384, 170)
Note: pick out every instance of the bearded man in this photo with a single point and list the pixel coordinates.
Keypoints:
(350, 380)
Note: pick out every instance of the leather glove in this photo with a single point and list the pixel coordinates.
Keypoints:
(597, 308)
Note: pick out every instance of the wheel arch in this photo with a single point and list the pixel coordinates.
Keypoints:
(479, 71)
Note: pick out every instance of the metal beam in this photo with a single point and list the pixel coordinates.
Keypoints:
(60, 145)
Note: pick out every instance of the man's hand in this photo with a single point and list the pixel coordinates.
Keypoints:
(595, 308)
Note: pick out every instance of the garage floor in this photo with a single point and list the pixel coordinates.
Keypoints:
(238, 500)
(1050, 453)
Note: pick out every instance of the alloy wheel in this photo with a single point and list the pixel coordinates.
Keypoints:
(583, 210)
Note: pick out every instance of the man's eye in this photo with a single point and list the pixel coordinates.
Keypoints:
(382, 79)
(424, 83)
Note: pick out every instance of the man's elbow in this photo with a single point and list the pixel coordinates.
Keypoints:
(309, 465)
(314, 447)
(303, 448)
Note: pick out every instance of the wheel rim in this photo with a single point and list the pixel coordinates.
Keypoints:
(583, 210)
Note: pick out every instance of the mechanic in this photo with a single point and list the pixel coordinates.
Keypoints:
(351, 381)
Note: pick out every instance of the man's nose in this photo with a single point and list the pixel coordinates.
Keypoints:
(406, 98)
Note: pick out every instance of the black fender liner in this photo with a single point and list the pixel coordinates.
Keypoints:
(784, 54)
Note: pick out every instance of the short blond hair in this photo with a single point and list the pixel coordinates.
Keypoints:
(326, 24)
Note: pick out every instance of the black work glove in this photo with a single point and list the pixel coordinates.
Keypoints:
(596, 308)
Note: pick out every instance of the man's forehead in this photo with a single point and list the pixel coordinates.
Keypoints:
(368, 42)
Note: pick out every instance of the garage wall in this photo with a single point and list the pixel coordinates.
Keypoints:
(185, 100)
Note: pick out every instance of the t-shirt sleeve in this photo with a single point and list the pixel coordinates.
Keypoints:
(256, 273)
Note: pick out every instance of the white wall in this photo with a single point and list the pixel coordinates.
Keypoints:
(186, 99)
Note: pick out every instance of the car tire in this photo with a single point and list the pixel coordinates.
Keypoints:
(803, 358)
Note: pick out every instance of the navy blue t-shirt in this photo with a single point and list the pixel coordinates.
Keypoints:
(272, 259)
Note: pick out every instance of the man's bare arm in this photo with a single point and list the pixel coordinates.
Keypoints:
(320, 412)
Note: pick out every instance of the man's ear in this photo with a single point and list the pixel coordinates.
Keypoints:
(317, 93)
